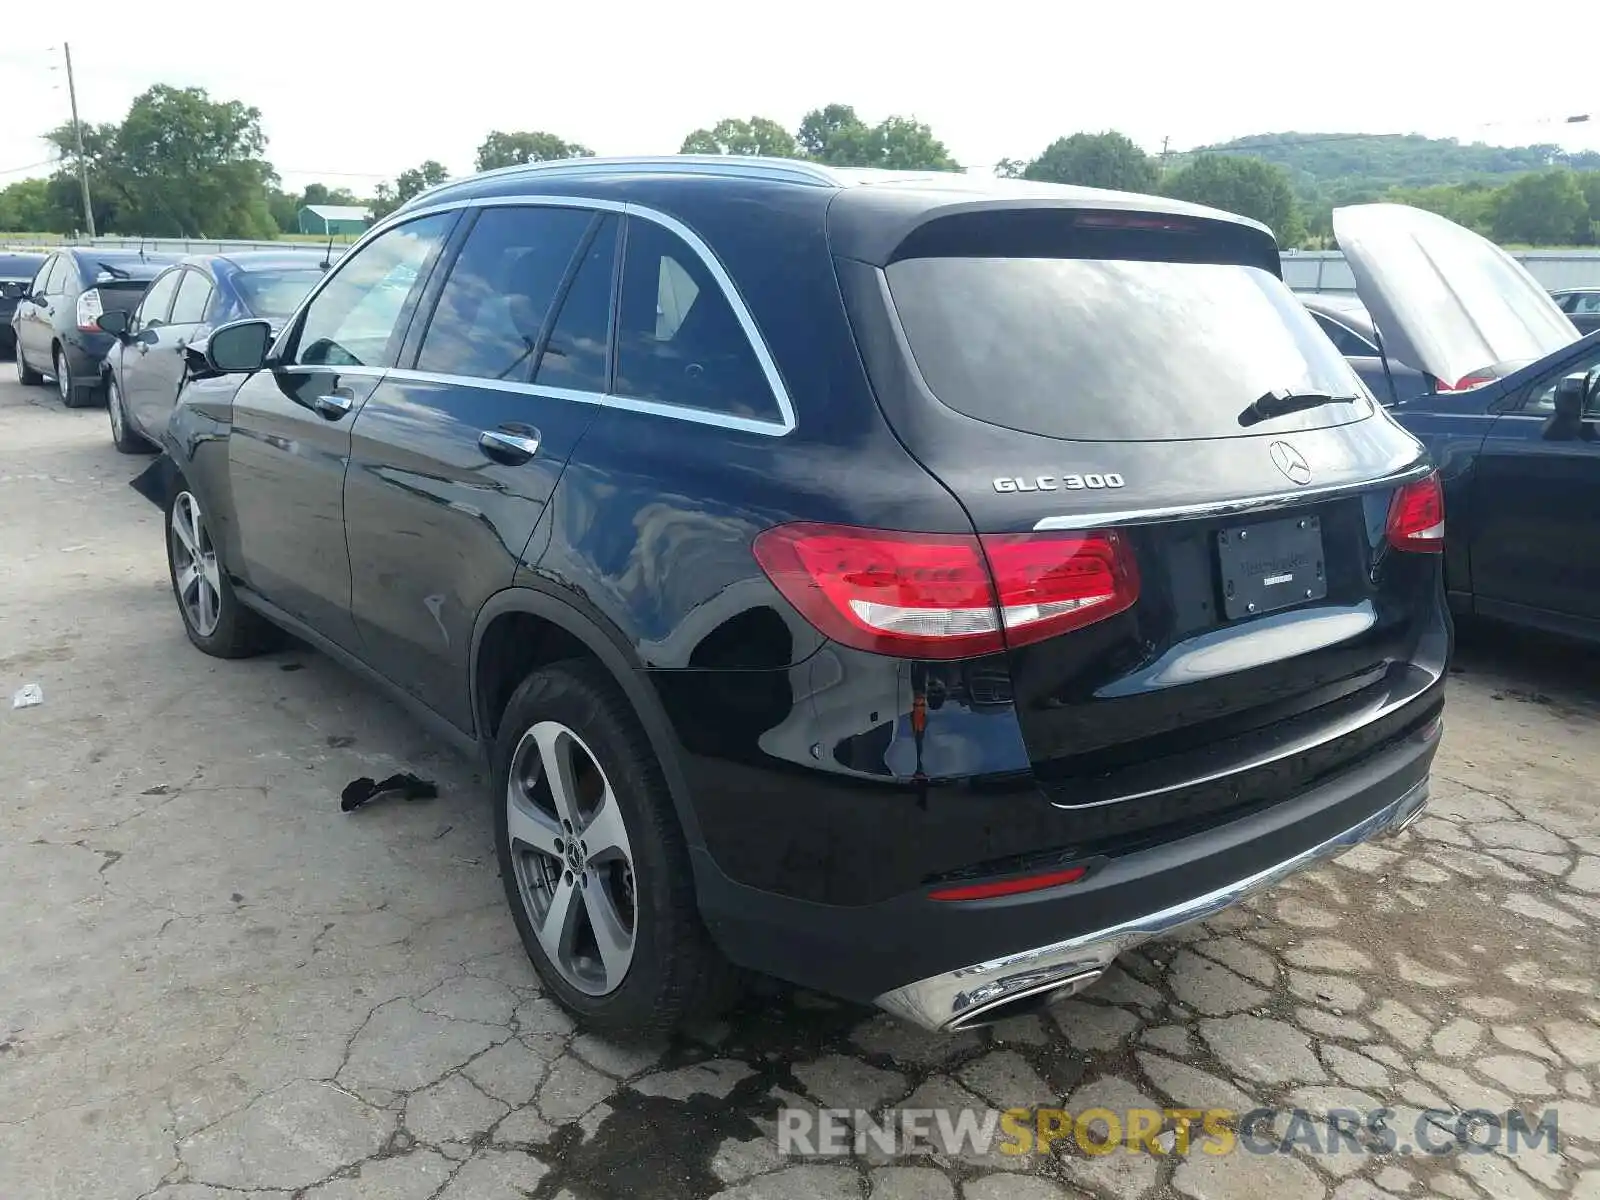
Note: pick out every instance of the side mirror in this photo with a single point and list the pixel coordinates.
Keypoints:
(239, 347)
(1570, 395)
(113, 321)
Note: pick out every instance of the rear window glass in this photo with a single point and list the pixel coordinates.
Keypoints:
(1113, 349)
(123, 295)
(274, 295)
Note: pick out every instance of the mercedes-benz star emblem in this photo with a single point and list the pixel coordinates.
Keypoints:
(1288, 460)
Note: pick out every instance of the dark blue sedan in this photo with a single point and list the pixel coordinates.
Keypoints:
(1511, 413)
(146, 368)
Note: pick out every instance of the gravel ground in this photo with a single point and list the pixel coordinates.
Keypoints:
(214, 984)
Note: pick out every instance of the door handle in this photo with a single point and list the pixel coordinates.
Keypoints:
(510, 446)
(334, 404)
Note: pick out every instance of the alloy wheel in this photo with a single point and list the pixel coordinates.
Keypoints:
(574, 866)
(114, 409)
(194, 566)
(63, 377)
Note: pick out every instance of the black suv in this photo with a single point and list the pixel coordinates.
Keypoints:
(917, 587)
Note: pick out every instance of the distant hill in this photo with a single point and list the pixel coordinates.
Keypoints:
(1377, 162)
(1328, 169)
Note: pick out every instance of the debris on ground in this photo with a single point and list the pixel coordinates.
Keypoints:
(405, 785)
(27, 696)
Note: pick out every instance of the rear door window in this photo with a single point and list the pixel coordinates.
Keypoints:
(1116, 349)
(679, 340)
(1344, 340)
(157, 301)
(575, 357)
(194, 294)
(497, 298)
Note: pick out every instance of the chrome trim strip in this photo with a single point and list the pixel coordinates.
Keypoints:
(948, 1001)
(769, 367)
(1227, 508)
(1375, 711)
(601, 399)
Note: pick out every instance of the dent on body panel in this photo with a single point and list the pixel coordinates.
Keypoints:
(672, 570)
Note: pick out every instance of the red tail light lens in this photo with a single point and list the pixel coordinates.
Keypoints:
(1010, 887)
(932, 595)
(1467, 382)
(1416, 517)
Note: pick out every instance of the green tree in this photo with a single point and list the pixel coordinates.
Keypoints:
(905, 144)
(1102, 160)
(503, 149)
(837, 136)
(1546, 208)
(1250, 187)
(179, 164)
(25, 207)
(1474, 205)
(733, 135)
(1010, 168)
(408, 183)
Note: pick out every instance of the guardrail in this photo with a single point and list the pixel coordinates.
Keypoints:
(43, 243)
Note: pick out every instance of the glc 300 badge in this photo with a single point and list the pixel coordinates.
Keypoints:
(1057, 483)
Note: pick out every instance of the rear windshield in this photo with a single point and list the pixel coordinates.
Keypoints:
(274, 295)
(1114, 349)
(122, 294)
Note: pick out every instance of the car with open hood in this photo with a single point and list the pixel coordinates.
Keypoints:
(1511, 416)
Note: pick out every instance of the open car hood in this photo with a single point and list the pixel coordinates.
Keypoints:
(1443, 298)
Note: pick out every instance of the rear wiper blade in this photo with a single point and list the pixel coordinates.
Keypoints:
(114, 272)
(1283, 402)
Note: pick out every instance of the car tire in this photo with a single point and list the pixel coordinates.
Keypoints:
(122, 437)
(213, 618)
(26, 375)
(73, 395)
(637, 883)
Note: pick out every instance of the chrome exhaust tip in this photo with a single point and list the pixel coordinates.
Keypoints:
(1029, 999)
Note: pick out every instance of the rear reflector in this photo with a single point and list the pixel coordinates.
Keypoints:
(944, 595)
(1010, 887)
(1416, 517)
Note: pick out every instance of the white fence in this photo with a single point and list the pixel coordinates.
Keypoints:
(1303, 270)
(1326, 270)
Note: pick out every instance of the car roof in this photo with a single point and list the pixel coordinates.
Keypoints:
(869, 212)
(21, 260)
(248, 261)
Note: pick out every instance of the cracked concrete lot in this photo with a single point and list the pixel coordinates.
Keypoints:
(214, 984)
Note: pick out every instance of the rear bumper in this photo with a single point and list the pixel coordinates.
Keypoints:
(966, 996)
(943, 965)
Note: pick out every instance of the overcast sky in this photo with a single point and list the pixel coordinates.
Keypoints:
(352, 97)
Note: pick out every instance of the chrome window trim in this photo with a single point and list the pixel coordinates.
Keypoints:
(1227, 508)
(699, 416)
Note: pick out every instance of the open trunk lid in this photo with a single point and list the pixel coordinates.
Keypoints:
(1444, 298)
(1092, 385)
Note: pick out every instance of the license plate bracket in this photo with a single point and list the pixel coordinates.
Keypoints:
(1271, 565)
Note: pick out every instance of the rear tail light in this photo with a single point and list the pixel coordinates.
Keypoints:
(1468, 382)
(88, 309)
(1416, 517)
(940, 595)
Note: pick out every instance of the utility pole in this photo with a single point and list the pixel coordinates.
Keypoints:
(1164, 143)
(77, 134)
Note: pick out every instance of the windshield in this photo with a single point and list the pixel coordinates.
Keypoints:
(1116, 350)
(274, 295)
